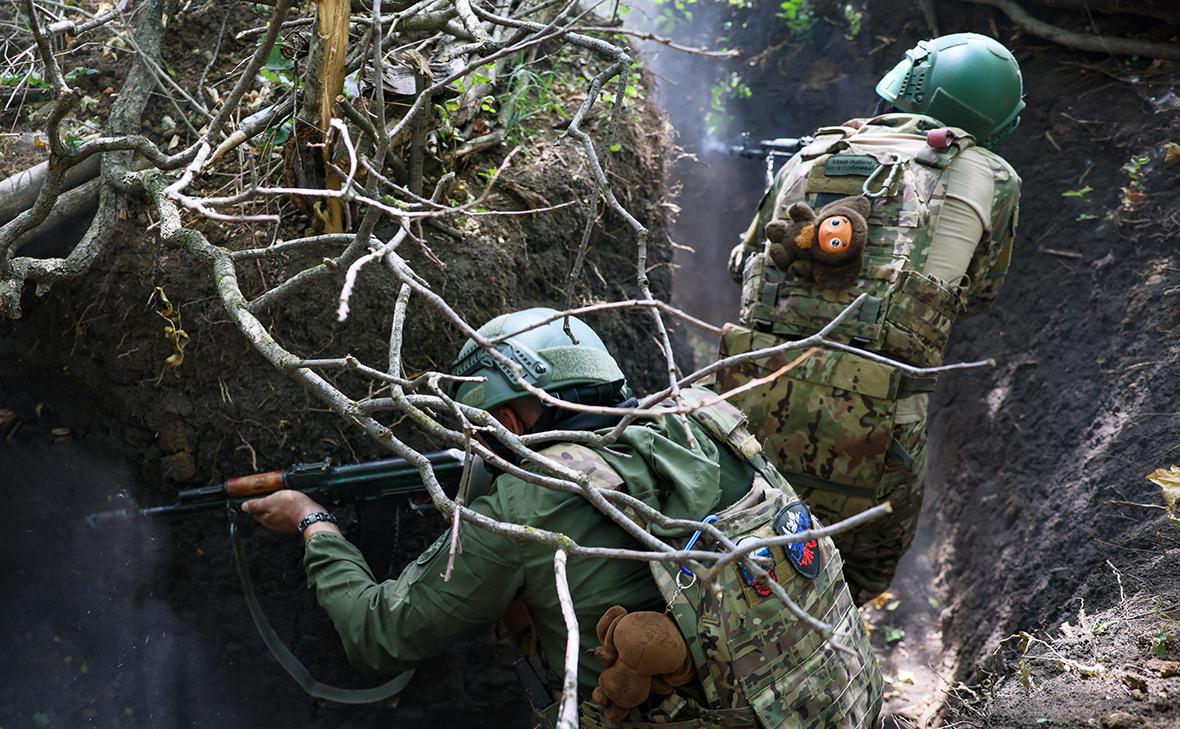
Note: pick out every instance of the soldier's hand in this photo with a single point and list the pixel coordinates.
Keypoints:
(283, 510)
(737, 261)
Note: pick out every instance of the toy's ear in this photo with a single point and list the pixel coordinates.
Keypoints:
(776, 231)
(608, 620)
(800, 212)
(860, 205)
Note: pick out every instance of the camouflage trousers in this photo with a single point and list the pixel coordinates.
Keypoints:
(872, 551)
(848, 433)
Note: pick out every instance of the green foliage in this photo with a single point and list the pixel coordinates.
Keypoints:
(855, 18)
(79, 72)
(800, 16)
(675, 13)
(530, 95)
(1159, 642)
(13, 80)
(729, 90)
(1080, 192)
(279, 69)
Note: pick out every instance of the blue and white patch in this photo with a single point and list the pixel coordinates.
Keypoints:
(804, 556)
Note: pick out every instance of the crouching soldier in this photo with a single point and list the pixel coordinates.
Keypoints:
(914, 209)
(742, 658)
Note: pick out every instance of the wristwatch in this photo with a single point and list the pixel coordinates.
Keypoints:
(316, 517)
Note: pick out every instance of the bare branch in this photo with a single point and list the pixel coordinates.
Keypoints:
(567, 715)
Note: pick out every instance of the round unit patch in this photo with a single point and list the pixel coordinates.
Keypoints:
(803, 556)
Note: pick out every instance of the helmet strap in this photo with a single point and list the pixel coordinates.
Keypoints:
(601, 394)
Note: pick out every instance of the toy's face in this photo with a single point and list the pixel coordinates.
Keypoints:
(835, 235)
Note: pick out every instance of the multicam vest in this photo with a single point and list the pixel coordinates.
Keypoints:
(839, 406)
(758, 665)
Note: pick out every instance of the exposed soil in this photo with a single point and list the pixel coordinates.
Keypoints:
(143, 625)
(1036, 465)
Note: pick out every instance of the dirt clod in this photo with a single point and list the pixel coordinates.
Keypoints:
(1165, 669)
(1119, 720)
(1133, 682)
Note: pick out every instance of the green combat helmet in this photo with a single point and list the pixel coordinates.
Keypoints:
(965, 80)
(579, 369)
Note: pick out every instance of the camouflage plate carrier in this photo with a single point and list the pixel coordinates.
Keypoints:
(830, 424)
(758, 666)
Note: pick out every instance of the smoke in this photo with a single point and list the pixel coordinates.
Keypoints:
(90, 639)
(718, 192)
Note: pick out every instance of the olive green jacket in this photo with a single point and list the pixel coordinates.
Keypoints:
(390, 626)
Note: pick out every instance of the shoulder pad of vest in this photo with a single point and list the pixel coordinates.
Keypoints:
(586, 461)
(723, 421)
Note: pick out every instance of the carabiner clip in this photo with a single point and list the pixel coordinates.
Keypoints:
(696, 536)
(894, 166)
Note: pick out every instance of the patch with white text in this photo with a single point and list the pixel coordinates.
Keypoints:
(804, 556)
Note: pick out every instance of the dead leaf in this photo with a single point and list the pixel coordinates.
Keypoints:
(1166, 669)
(6, 416)
(61, 431)
(1025, 675)
(1133, 198)
(1171, 153)
(881, 600)
(1169, 482)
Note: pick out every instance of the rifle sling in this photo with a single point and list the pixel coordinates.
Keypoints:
(287, 659)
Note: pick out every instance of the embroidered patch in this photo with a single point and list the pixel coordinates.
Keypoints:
(758, 584)
(803, 556)
(850, 165)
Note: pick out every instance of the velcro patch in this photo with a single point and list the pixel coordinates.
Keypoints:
(803, 556)
(758, 584)
(850, 165)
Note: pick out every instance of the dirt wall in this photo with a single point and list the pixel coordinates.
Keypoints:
(143, 625)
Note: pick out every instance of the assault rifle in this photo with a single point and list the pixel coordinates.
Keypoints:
(770, 149)
(354, 483)
(326, 483)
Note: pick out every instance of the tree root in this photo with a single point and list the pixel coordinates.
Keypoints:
(1081, 41)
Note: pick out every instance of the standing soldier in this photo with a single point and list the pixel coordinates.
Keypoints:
(746, 660)
(941, 210)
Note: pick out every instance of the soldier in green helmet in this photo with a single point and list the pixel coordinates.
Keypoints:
(754, 664)
(848, 431)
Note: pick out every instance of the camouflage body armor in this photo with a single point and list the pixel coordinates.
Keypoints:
(832, 425)
(758, 666)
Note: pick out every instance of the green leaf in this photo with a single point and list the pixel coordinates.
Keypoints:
(1078, 193)
(893, 634)
(616, 147)
(78, 72)
(276, 61)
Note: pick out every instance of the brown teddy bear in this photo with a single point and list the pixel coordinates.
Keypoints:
(827, 248)
(642, 653)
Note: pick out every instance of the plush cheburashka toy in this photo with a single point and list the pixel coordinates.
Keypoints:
(827, 248)
(643, 653)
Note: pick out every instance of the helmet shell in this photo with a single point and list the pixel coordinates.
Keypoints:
(964, 80)
(550, 359)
